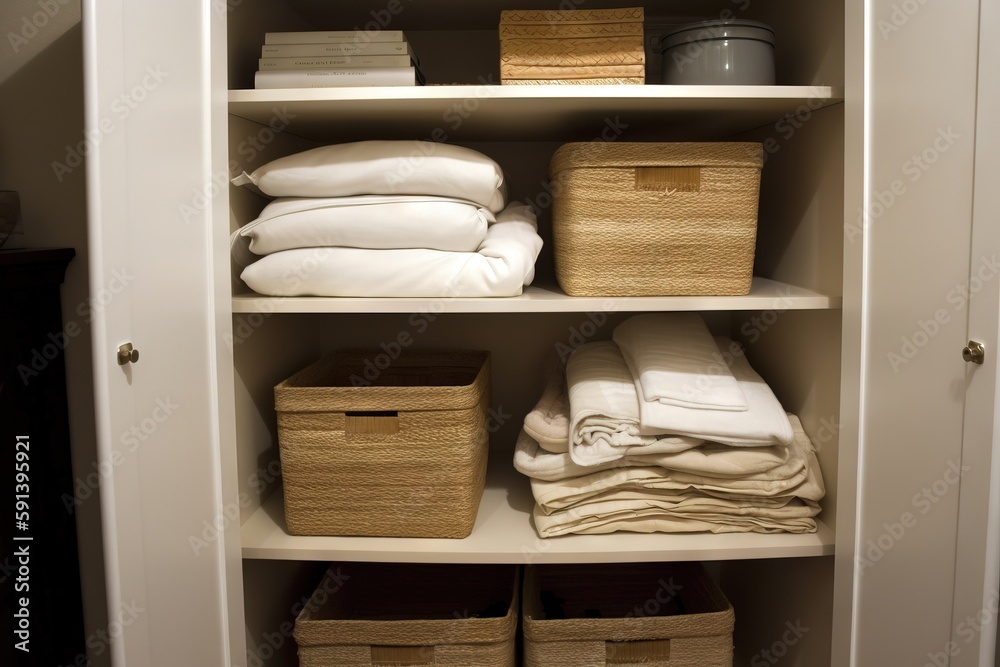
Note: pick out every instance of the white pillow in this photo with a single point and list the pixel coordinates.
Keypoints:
(504, 263)
(369, 221)
(384, 168)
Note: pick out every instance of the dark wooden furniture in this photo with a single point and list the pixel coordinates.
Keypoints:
(34, 441)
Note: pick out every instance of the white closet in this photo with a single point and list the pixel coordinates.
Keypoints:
(193, 520)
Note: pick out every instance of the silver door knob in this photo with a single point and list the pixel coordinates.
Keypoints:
(127, 354)
(974, 352)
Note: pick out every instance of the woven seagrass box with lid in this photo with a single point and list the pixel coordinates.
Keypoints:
(655, 219)
(380, 446)
(576, 46)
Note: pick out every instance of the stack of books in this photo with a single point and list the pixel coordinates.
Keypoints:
(591, 46)
(339, 58)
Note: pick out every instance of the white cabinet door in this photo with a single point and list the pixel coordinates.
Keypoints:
(977, 599)
(152, 106)
(921, 97)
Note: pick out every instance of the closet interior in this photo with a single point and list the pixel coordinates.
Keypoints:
(790, 323)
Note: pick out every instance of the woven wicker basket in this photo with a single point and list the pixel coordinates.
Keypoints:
(653, 615)
(382, 615)
(398, 449)
(655, 219)
(549, 46)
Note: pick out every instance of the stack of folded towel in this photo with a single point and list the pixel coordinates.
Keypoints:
(386, 219)
(666, 429)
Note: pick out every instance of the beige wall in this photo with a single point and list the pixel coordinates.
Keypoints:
(41, 113)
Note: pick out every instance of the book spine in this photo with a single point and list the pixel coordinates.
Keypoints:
(334, 62)
(336, 78)
(322, 37)
(335, 49)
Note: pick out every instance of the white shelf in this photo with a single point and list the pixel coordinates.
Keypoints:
(527, 113)
(504, 534)
(764, 295)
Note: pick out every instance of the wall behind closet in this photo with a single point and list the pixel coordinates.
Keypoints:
(41, 130)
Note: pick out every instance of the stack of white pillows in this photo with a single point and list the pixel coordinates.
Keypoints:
(386, 219)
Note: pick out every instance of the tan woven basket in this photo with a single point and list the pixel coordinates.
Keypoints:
(648, 614)
(391, 614)
(655, 219)
(550, 46)
(398, 449)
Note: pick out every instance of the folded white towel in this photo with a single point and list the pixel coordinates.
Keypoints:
(384, 168)
(504, 263)
(369, 221)
(604, 408)
(763, 423)
(675, 361)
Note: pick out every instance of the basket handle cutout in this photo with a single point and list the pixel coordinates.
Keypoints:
(668, 179)
(397, 656)
(384, 422)
(629, 653)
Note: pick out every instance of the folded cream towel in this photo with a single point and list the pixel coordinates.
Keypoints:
(796, 475)
(695, 515)
(719, 470)
(548, 421)
(675, 361)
